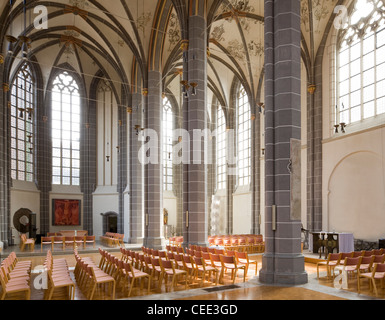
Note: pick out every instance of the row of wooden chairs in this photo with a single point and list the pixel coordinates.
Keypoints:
(62, 241)
(90, 277)
(367, 266)
(112, 239)
(335, 259)
(124, 272)
(250, 243)
(157, 265)
(176, 241)
(15, 276)
(59, 277)
(196, 262)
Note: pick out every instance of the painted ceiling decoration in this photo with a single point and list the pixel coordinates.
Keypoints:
(122, 39)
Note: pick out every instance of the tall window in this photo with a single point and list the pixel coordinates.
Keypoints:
(221, 149)
(65, 131)
(22, 131)
(361, 64)
(244, 138)
(167, 145)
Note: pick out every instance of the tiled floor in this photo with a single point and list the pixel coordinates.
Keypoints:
(252, 289)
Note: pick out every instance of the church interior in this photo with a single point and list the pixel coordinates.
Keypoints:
(192, 150)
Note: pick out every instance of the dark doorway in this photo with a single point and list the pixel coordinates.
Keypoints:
(110, 222)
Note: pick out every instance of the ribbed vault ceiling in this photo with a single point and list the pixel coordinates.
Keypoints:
(121, 39)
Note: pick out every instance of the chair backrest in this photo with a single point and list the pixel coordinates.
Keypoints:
(167, 264)
(215, 257)
(220, 251)
(352, 261)
(199, 261)
(205, 249)
(147, 260)
(346, 255)
(367, 253)
(177, 249)
(206, 255)
(162, 254)
(187, 259)
(377, 252)
(242, 255)
(357, 254)
(155, 262)
(230, 253)
(367, 259)
(178, 257)
(212, 250)
(58, 238)
(379, 267)
(198, 254)
(379, 258)
(228, 259)
(334, 256)
(170, 256)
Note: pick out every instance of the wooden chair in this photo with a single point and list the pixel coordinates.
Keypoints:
(69, 241)
(188, 266)
(156, 270)
(332, 261)
(366, 264)
(378, 273)
(345, 255)
(58, 240)
(46, 241)
(60, 282)
(89, 239)
(14, 286)
(168, 269)
(24, 241)
(135, 274)
(101, 278)
(178, 258)
(243, 260)
(79, 241)
(230, 262)
(351, 265)
(201, 267)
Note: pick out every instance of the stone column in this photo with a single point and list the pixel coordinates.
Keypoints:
(136, 214)
(154, 237)
(282, 262)
(195, 191)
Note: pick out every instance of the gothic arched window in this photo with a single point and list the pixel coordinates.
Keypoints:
(65, 131)
(221, 149)
(361, 64)
(22, 126)
(244, 138)
(168, 127)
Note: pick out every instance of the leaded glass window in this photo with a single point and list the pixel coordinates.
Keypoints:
(65, 131)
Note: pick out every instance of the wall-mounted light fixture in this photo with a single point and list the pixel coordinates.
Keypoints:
(261, 107)
(186, 86)
(193, 88)
(138, 128)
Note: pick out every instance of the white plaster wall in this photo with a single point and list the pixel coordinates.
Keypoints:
(242, 211)
(354, 184)
(24, 195)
